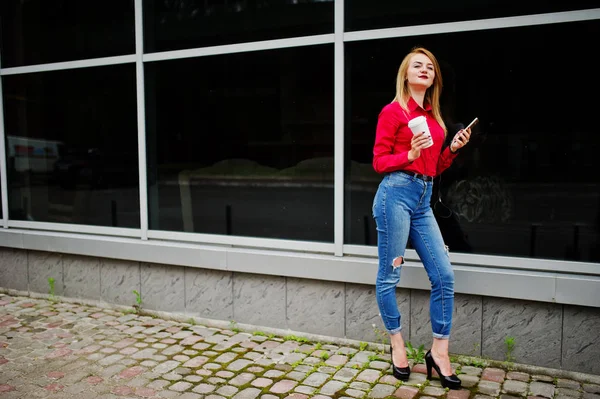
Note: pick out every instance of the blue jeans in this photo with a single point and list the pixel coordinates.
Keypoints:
(401, 209)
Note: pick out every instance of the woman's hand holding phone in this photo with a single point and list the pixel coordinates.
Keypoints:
(462, 137)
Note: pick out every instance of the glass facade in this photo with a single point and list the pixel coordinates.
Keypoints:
(241, 142)
(379, 14)
(526, 185)
(71, 146)
(176, 25)
(42, 31)
(251, 150)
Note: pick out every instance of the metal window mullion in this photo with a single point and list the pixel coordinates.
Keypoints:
(3, 170)
(141, 118)
(338, 196)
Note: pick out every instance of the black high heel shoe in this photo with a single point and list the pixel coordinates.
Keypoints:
(400, 373)
(448, 381)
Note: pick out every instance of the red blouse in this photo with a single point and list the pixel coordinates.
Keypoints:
(392, 142)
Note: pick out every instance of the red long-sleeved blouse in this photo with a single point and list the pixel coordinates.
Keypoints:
(392, 142)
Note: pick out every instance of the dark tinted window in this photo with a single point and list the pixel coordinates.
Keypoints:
(71, 146)
(527, 184)
(375, 14)
(43, 31)
(243, 144)
(172, 25)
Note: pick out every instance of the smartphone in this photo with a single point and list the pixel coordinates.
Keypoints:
(473, 123)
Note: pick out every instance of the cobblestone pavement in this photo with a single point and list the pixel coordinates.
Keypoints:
(63, 350)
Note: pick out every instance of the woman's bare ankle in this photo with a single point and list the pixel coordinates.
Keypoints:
(399, 351)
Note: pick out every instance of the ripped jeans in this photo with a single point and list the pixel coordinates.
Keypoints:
(401, 209)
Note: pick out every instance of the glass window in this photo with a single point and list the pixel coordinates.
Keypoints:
(44, 31)
(174, 25)
(369, 14)
(242, 144)
(71, 146)
(527, 185)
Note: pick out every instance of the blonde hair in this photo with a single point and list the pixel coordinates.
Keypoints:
(432, 95)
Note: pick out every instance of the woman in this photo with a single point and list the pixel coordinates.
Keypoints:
(402, 207)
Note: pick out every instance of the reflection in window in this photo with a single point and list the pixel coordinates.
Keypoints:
(242, 144)
(44, 31)
(71, 146)
(527, 184)
(178, 24)
(369, 14)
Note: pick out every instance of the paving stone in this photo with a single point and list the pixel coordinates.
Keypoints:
(588, 395)
(515, 375)
(216, 380)
(168, 394)
(316, 379)
(490, 388)
(434, 391)
(515, 387)
(541, 389)
(381, 391)
(571, 393)
(304, 389)
(505, 396)
(190, 395)
(565, 383)
(193, 378)
(388, 379)
(165, 367)
(493, 374)
(296, 375)
(337, 360)
(273, 374)
(226, 357)
(158, 384)
(204, 388)
(458, 394)
(262, 382)
(172, 377)
(327, 370)
(369, 376)
(227, 390)
(355, 393)
(253, 355)
(180, 386)
(248, 393)
(332, 387)
(468, 381)
(242, 379)
(283, 386)
(591, 388)
(360, 385)
(470, 370)
(345, 374)
(182, 371)
(239, 364)
(196, 362)
(543, 378)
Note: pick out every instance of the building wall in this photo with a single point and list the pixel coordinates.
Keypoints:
(546, 334)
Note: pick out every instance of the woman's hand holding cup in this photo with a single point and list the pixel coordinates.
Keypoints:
(418, 142)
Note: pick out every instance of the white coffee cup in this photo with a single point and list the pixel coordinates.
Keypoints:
(418, 125)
